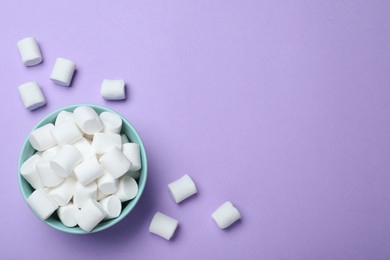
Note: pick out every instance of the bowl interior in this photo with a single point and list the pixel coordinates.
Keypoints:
(127, 129)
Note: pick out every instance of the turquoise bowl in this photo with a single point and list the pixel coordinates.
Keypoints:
(127, 129)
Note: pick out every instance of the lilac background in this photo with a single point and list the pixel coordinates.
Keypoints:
(279, 106)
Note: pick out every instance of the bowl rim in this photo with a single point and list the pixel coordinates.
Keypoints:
(131, 204)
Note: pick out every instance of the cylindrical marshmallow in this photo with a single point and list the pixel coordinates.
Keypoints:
(31, 95)
(63, 193)
(102, 142)
(41, 203)
(66, 133)
(163, 225)
(133, 153)
(29, 172)
(83, 193)
(113, 89)
(63, 116)
(115, 162)
(88, 171)
(47, 174)
(65, 160)
(29, 51)
(127, 188)
(225, 215)
(112, 122)
(88, 120)
(41, 138)
(107, 184)
(90, 215)
(125, 139)
(67, 214)
(84, 147)
(112, 205)
(63, 71)
(182, 188)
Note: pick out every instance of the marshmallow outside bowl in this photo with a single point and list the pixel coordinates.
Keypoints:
(27, 151)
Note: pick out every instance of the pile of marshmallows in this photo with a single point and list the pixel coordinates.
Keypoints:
(62, 74)
(83, 168)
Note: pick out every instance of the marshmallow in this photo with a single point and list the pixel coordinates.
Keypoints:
(29, 51)
(163, 225)
(113, 89)
(84, 148)
(41, 203)
(133, 153)
(47, 174)
(182, 188)
(115, 162)
(67, 214)
(112, 122)
(31, 95)
(127, 188)
(125, 139)
(62, 72)
(63, 193)
(29, 172)
(88, 120)
(112, 205)
(52, 151)
(88, 171)
(102, 142)
(90, 215)
(83, 193)
(41, 138)
(65, 160)
(66, 133)
(107, 184)
(63, 116)
(226, 215)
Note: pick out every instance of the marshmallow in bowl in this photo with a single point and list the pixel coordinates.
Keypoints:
(41, 138)
(90, 215)
(42, 204)
(88, 120)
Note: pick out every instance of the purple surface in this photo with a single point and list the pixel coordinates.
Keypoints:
(280, 107)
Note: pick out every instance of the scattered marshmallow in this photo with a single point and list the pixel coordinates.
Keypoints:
(182, 188)
(88, 120)
(65, 160)
(102, 142)
(41, 138)
(88, 171)
(31, 95)
(29, 172)
(115, 162)
(163, 225)
(133, 153)
(113, 89)
(41, 203)
(225, 215)
(112, 122)
(63, 116)
(107, 184)
(67, 214)
(127, 188)
(90, 215)
(112, 205)
(84, 193)
(63, 71)
(63, 193)
(29, 51)
(66, 133)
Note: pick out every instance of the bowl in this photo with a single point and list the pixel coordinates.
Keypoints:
(53, 221)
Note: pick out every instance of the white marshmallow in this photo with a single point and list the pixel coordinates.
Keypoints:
(134, 175)
(52, 151)
(65, 160)
(90, 215)
(63, 71)
(83, 193)
(88, 120)
(84, 147)
(133, 153)
(112, 122)
(88, 171)
(31, 95)
(125, 139)
(163, 225)
(63, 193)
(107, 184)
(113, 89)
(29, 51)
(66, 133)
(127, 188)
(112, 205)
(41, 138)
(115, 162)
(47, 174)
(67, 214)
(225, 215)
(41, 203)
(63, 116)
(102, 142)
(182, 188)
(29, 172)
